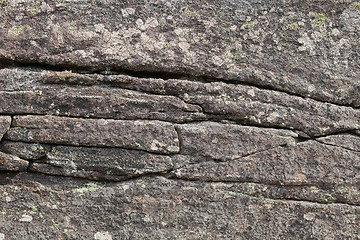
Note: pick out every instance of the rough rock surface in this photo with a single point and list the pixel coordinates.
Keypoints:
(143, 135)
(179, 119)
(4, 125)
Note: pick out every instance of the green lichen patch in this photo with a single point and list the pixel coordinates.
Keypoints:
(356, 5)
(17, 30)
(320, 19)
(31, 210)
(4, 3)
(64, 75)
(294, 26)
(249, 25)
(88, 187)
(33, 10)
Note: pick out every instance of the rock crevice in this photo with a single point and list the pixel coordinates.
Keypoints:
(179, 119)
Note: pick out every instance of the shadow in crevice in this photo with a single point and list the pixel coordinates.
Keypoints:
(7, 177)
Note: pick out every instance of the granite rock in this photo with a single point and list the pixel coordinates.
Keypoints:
(153, 136)
(156, 207)
(4, 125)
(179, 119)
(12, 163)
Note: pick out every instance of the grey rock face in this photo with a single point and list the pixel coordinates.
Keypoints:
(29, 151)
(228, 142)
(179, 119)
(153, 136)
(4, 125)
(157, 207)
(308, 163)
(102, 163)
(99, 102)
(12, 163)
(351, 142)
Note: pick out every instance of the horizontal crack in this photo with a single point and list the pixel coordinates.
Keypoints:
(102, 177)
(5, 174)
(292, 199)
(335, 145)
(115, 70)
(87, 146)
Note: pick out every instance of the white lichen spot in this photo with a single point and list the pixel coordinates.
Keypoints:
(290, 142)
(144, 38)
(26, 218)
(152, 22)
(125, 187)
(127, 33)
(317, 36)
(140, 24)
(147, 219)
(311, 88)
(54, 207)
(173, 149)
(156, 146)
(233, 28)
(254, 119)
(335, 32)
(307, 44)
(309, 216)
(178, 31)
(2, 236)
(184, 46)
(217, 61)
(102, 236)
(127, 12)
(251, 92)
(58, 33)
(273, 117)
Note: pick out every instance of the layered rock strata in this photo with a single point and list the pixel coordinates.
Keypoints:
(179, 120)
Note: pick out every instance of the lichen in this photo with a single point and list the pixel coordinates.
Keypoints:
(63, 75)
(17, 30)
(88, 187)
(294, 26)
(249, 25)
(320, 19)
(356, 5)
(33, 11)
(32, 210)
(4, 3)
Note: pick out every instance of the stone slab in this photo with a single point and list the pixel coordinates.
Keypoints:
(153, 136)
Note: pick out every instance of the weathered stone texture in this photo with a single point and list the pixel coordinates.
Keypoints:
(153, 136)
(307, 163)
(228, 142)
(351, 142)
(179, 119)
(4, 125)
(163, 209)
(306, 48)
(110, 161)
(99, 102)
(29, 151)
(12, 163)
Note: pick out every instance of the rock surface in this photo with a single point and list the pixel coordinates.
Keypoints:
(4, 125)
(153, 136)
(12, 163)
(307, 163)
(160, 208)
(179, 119)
